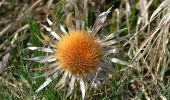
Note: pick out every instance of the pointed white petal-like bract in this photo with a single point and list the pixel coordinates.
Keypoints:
(71, 86)
(109, 69)
(49, 21)
(47, 67)
(113, 51)
(47, 28)
(112, 35)
(83, 88)
(48, 50)
(52, 32)
(114, 41)
(111, 42)
(55, 35)
(118, 61)
(48, 81)
(100, 21)
(63, 29)
(42, 59)
(62, 81)
(50, 72)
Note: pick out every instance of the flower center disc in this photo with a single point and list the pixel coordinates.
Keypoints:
(78, 53)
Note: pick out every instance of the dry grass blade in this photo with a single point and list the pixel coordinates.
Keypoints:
(17, 33)
(29, 9)
(16, 87)
(161, 25)
(144, 11)
(4, 61)
(50, 3)
(4, 30)
(163, 97)
(1, 3)
(162, 5)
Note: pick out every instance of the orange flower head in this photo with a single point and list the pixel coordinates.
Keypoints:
(78, 53)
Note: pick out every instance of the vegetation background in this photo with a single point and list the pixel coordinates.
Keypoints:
(147, 50)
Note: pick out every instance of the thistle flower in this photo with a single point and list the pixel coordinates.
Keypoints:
(78, 55)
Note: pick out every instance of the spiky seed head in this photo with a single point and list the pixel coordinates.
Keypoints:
(78, 53)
